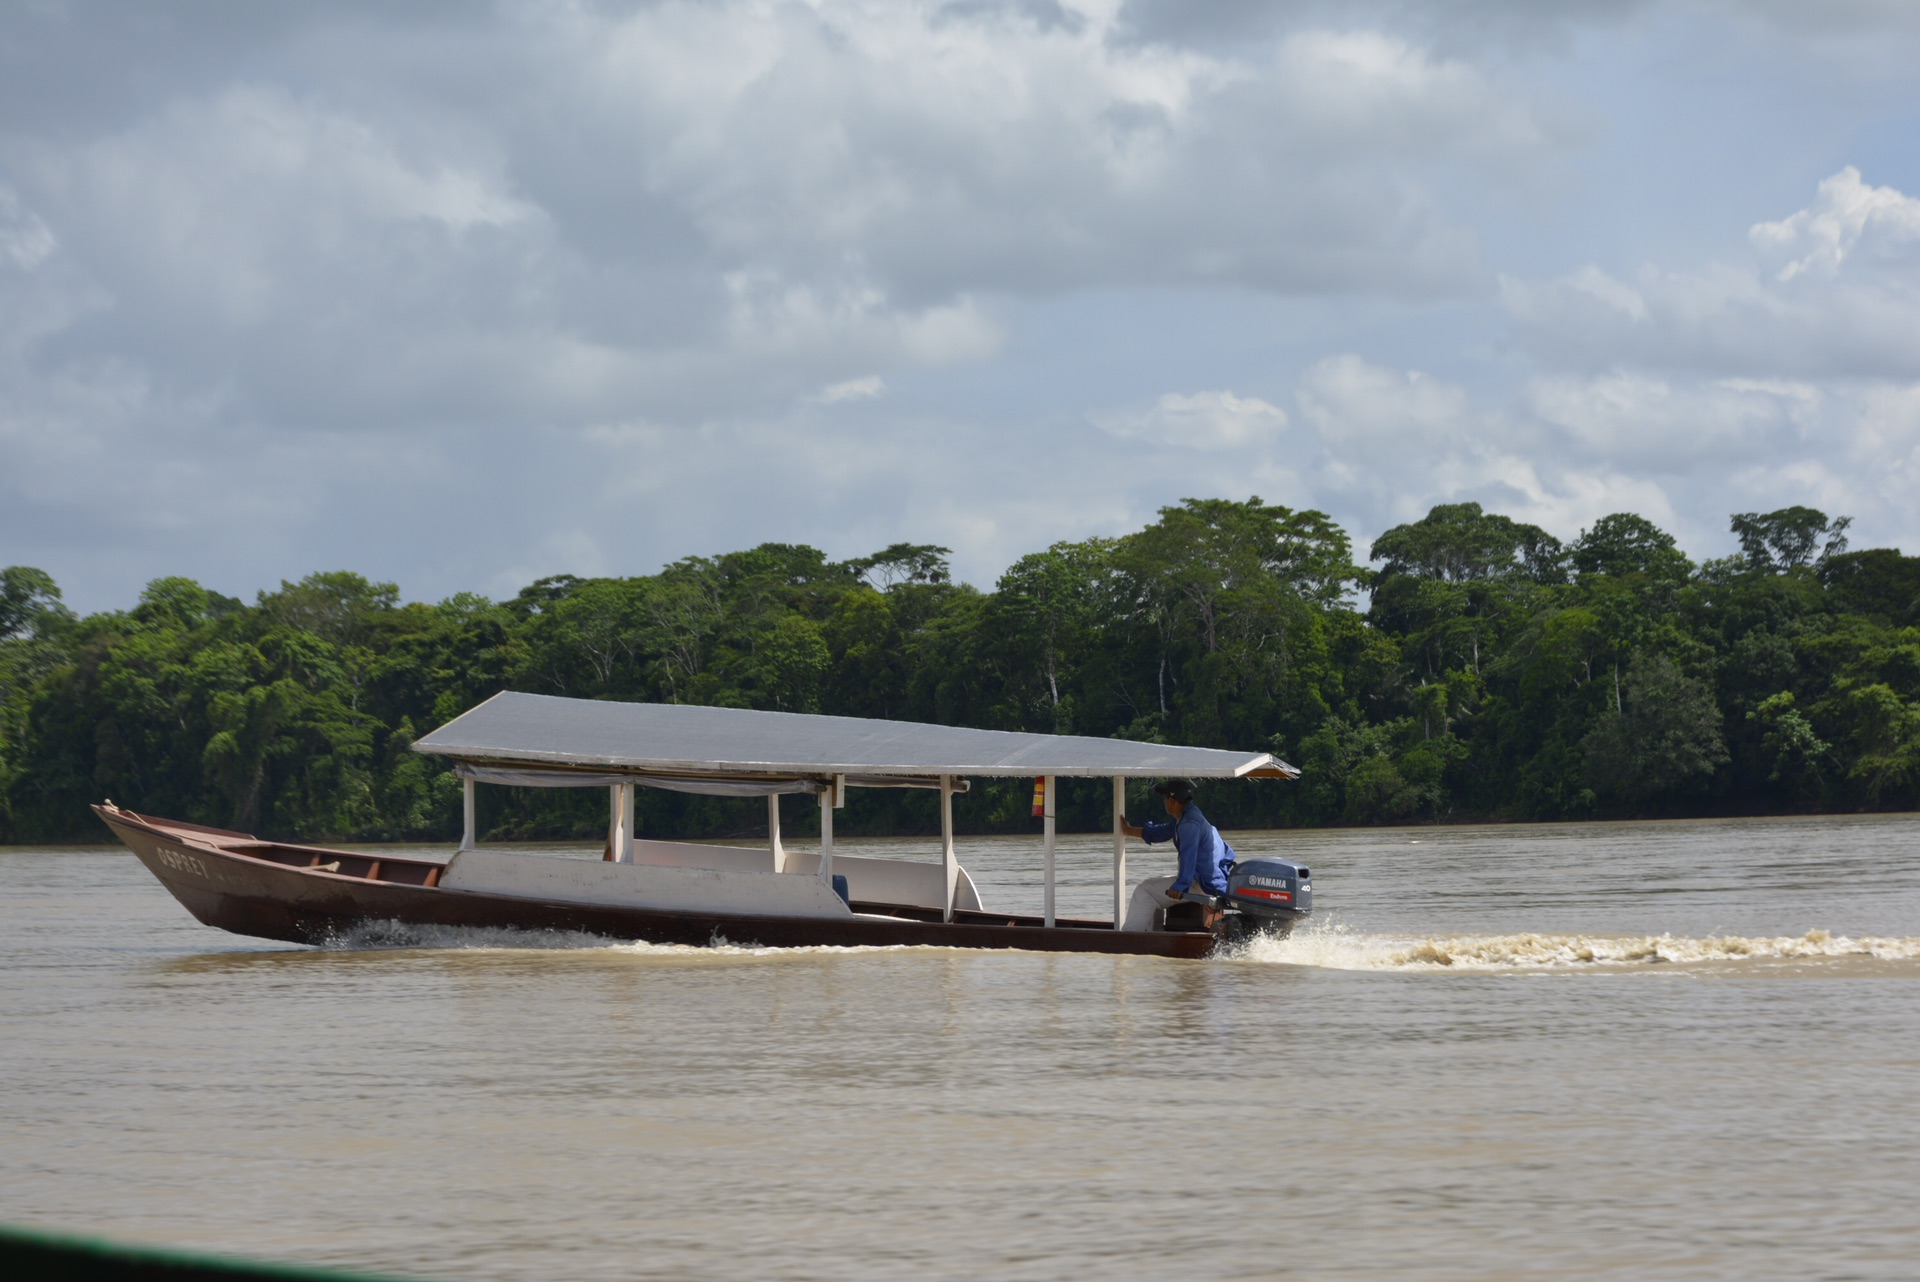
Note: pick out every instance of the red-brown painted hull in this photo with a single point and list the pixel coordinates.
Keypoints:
(248, 887)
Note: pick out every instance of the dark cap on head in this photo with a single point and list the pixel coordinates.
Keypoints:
(1181, 790)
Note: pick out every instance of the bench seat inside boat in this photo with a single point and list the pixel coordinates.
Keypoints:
(886, 881)
(715, 878)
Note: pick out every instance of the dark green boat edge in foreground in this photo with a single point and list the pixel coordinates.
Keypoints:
(56, 1257)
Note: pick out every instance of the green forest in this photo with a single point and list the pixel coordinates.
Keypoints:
(1473, 667)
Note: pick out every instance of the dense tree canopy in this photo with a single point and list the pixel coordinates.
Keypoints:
(1490, 672)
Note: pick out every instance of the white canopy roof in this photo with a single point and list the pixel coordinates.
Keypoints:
(669, 744)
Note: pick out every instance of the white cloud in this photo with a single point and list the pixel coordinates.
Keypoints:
(1685, 452)
(1658, 425)
(1564, 449)
(929, 150)
(719, 210)
(770, 319)
(1832, 290)
(1200, 421)
(1789, 376)
(1378, 90)
(637, 281)
(252, 201)
(25, 241)
(1848, 218)
(866, 388)
(1348, 399)
(1593, 283)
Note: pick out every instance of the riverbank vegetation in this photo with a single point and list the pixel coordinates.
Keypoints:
(1472, 667)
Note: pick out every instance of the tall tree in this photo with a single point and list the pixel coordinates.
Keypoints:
(1494, 673)
(1790, 538)
(1049, 604)
(1458, 542)
(29, 602)
(1624, 544)
(1666, 739)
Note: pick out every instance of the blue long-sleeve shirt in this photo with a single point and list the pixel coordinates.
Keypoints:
(1203, 851)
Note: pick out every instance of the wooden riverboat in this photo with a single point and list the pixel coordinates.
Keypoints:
(682, 892)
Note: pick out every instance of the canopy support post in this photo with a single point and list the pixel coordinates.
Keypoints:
(835, 795)
(620, 834)
(949, 861)
(1119, 852)
(1047, 836)
(773, 833)
(467, 825)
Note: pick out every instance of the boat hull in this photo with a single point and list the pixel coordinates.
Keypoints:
(228, 881)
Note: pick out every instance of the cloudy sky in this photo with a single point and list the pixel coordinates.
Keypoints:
(459, 296)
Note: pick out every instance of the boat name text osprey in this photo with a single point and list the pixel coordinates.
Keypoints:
(181, 862)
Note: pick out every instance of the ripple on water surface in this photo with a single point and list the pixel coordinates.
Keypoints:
(1471, 1065)
(1323, 944)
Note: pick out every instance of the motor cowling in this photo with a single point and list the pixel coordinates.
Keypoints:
(1269, 888)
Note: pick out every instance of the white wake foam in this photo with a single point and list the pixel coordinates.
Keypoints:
(368, 936)
(1323, 944)
(374, 936)
(1334, 947)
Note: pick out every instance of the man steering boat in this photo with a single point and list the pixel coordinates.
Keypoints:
(1205, 856)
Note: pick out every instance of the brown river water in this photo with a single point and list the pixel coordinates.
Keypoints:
(1647, 1051)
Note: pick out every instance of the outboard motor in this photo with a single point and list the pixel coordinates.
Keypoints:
(1266, 894)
